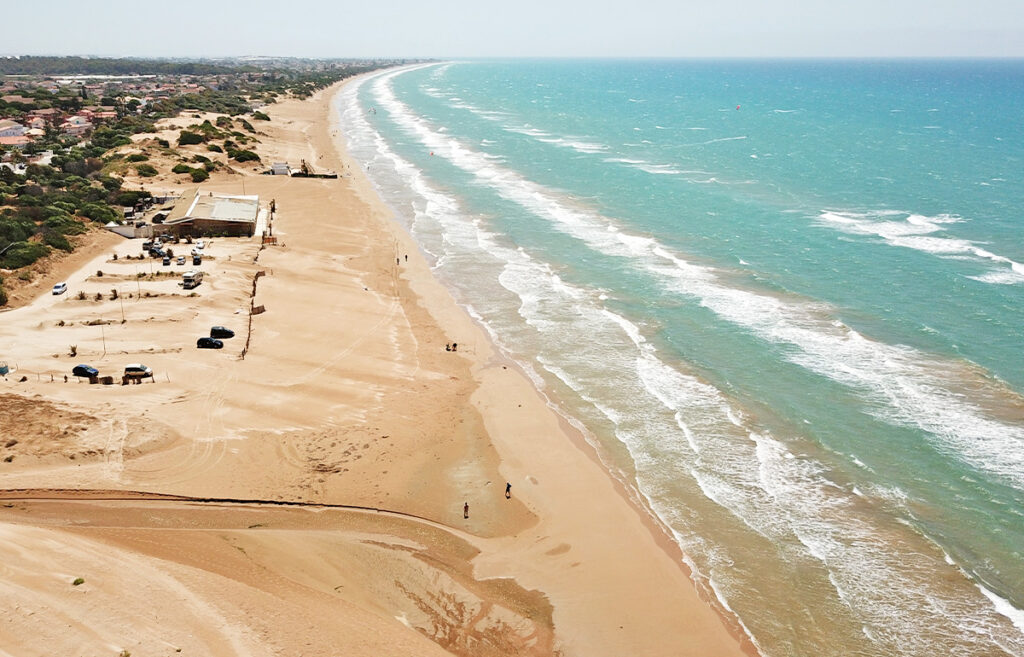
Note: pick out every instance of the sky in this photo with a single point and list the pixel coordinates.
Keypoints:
(524, 28)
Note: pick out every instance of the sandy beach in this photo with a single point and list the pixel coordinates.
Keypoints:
(308, 498)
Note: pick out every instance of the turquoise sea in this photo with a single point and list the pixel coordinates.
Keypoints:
(783, 299)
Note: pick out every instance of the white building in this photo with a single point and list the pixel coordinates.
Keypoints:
(10, 128)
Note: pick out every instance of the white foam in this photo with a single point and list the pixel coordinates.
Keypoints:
(916, 232)
(716, 141)
(527, 130)
(1003, 606)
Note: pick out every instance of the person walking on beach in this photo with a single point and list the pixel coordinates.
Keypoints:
(465, 510)
(508, 490)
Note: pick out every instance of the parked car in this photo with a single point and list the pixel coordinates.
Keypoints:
(181, 260)
(221, 332)
(197, 260)
(147, 245)
(167, 261)
(200, 245)
(196, 251)
(209, 343)
(87, 371)
(60, 288)
(137, 371)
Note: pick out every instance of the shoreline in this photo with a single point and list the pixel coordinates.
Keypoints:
(346, 396)
(659, 532)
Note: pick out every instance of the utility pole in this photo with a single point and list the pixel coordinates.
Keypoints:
(103, 335)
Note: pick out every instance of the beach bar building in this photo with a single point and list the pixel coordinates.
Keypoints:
(201, 213)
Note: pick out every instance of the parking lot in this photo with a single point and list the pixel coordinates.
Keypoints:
(134, 309)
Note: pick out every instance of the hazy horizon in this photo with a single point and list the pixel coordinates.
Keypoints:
(530, 28)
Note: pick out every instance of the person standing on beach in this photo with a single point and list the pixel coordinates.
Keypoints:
(508, 490)
(465, 510)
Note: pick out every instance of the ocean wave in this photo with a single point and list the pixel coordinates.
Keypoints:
(914, 231)
(528, 131)
(575, 144)
(715, 141)
(902, 383)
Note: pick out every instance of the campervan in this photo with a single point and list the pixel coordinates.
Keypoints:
(192, 279)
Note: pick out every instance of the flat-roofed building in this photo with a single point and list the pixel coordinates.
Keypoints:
(201, 213)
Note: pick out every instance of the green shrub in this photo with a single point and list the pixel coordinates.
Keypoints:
(200, 158)
(23, 254)
(182, 168)
(70, 208)
(214, 148)
(57, 241)
(146, 170)
(15, 228)
(64, 225)
(137, 157)
(199, 175)
(128, 199)
(3, 294)
(110, 183)
(244, 156)
(186, 138)
(164, 143)
(260, 116)
(78, 581)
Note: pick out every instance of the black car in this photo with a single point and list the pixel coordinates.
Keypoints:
(221, 332)
(87, 371)
(209, 343)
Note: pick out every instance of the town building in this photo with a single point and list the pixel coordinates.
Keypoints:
(10, 128)
(76, 126)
